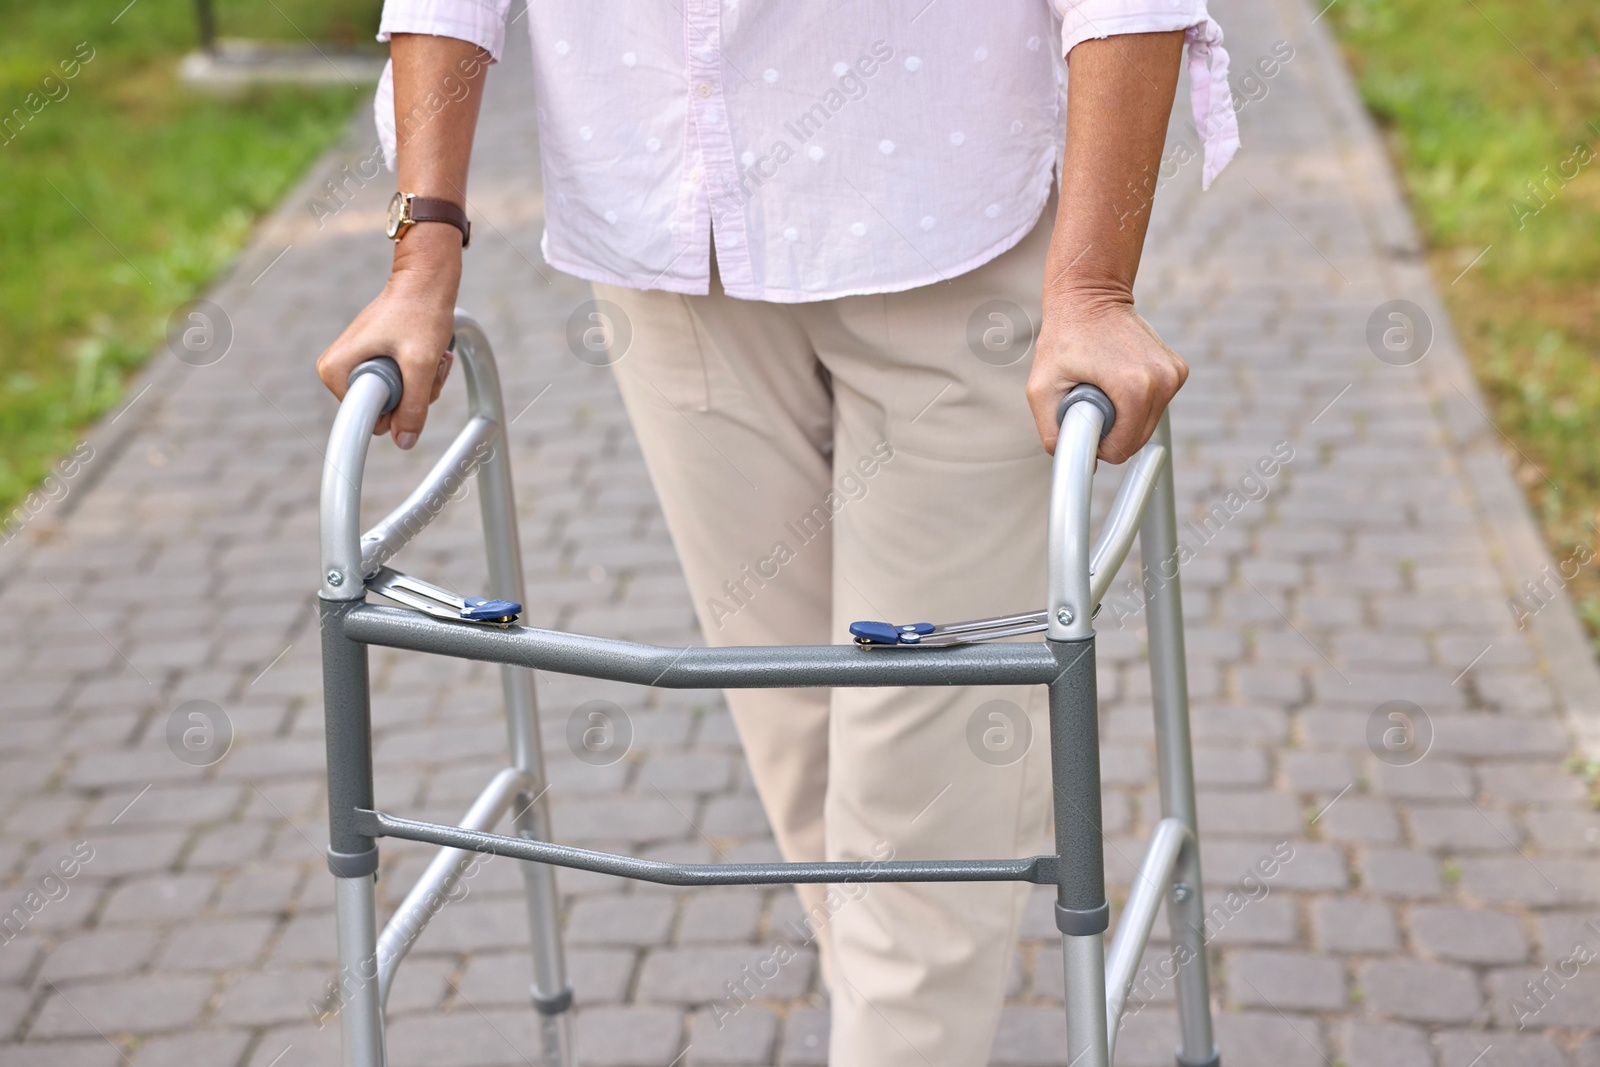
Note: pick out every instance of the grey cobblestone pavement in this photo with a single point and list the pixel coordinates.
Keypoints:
(167, 913)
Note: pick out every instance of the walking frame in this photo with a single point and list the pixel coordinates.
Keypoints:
(439, 622)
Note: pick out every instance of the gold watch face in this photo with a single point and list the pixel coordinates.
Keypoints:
(397, 214)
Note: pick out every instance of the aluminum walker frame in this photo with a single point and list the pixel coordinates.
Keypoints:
(439, 622)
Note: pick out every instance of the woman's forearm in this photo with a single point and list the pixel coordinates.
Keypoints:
(438, 88)
(438, 85)
(1119, 97)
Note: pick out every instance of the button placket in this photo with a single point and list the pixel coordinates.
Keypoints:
(716, 177)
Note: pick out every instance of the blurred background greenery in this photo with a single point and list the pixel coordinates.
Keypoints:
(120, 199)
(1491, 108)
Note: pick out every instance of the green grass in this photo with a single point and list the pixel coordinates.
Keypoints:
(122, 196)
(1491, 108)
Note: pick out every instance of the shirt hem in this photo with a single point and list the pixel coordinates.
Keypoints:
(688, 287)
(994, 251)
(683, 286)
(972, 263)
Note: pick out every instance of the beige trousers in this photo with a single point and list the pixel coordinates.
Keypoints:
(854, 459)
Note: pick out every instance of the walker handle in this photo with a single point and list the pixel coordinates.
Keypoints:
(387, 369)
(1093, 394)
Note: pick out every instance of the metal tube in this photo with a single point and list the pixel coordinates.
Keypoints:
(556, 1048)
(464, 454)
(352, 855)
(1081, 909)
(440, 879)
(1084, 963)
(1041, 870)
(342, 468)
(1081, 906)
(1122, 522)
(360, 1007)
(501, 542)
(1138, 916)
(551, 990)
(1069, 606)
(990, 623)
(946, 637)
(347, 731)
(1158, 541)
(731, 667)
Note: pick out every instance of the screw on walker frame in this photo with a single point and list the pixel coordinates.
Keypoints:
(435, 620)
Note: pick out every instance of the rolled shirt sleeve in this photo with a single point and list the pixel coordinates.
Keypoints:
(1210, 96)
(479, 22)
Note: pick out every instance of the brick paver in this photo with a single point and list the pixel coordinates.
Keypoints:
(1433, 911)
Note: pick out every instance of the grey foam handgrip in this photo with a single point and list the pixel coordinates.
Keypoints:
(1091, 394)
(387, 369)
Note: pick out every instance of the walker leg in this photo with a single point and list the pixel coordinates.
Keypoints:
(551, 992)
(1169, 683)
(352, 856)
(360, 1009)
(1082, 911)
(1086, 1000)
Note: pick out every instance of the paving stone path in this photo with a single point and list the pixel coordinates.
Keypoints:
(159, 912)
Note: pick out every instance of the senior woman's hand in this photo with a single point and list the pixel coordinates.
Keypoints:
(1111, 346)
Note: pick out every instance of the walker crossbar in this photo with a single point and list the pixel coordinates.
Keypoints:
(1038, 869)
(412, 516)
(729, 667)
(1097, 987)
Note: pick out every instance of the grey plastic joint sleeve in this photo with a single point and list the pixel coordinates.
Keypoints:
(1076, 922)
(387, 369)
(353, 864)
(1091, 394)
(553, 1005)
(1214, 1061)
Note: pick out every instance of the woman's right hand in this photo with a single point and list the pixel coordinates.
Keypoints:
(412, 321)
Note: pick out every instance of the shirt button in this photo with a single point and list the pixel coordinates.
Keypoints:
(694, 176)
(704, 89)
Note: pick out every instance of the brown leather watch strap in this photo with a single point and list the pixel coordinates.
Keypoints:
(431, 209)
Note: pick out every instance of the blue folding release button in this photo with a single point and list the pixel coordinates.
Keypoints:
(918, 628)
(480, 608)
(876, 633)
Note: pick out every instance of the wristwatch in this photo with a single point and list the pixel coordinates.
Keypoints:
(408, 209)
